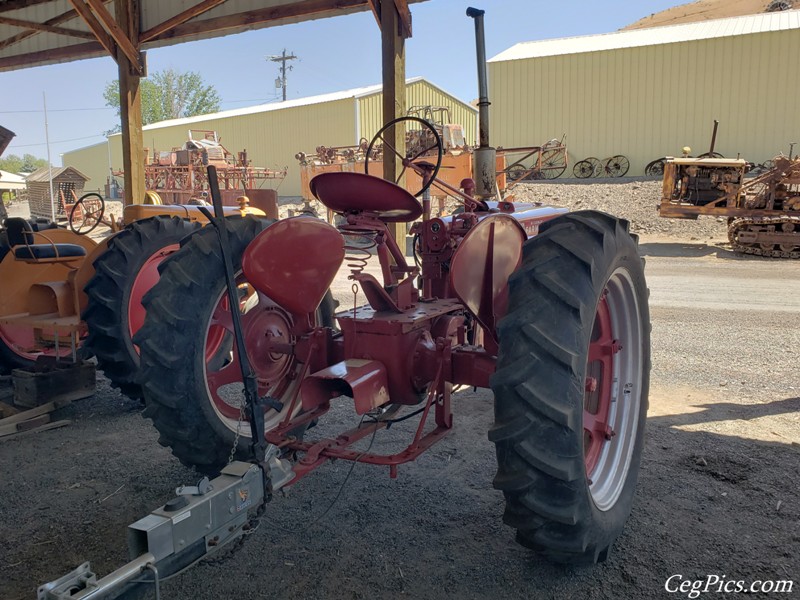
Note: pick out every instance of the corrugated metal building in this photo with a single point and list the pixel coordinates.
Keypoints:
(647, 93)
(273, 133)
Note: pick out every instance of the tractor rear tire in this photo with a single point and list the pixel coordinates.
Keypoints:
(119, 275)
(576, 339)
(176, 361)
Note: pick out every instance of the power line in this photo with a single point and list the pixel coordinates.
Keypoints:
(13, 112)
(12, 146)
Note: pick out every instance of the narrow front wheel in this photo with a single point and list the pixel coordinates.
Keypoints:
(571, 387)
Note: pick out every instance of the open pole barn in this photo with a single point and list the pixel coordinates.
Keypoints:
(647, 93)
(273, 133)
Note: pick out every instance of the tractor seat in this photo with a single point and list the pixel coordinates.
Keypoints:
(37, 252)
(358, 192)
(20, 236)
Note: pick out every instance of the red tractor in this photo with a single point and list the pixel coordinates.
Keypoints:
(548, 310)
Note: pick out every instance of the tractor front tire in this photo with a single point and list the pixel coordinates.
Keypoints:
(571, 387)
(123, 273)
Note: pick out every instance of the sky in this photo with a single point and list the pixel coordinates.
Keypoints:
(333, 54)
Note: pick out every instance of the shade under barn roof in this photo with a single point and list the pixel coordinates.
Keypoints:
(38, 32)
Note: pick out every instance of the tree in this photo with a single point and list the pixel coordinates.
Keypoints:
(168, 95)
(27, 164)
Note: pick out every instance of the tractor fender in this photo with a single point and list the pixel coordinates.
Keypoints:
(294, 261)
(482, 264)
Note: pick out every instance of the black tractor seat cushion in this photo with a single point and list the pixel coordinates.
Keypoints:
(45, 251)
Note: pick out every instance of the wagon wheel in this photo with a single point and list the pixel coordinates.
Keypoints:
(583, 169)
(554, 163)
(410, 156)
(617, 166)
(711, 155)
(571, 387)
(597, 165)
(655, 168)
(517, 172)
(88, 212)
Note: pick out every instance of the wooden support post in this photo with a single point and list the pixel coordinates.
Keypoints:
(128, 18)
(394, 95)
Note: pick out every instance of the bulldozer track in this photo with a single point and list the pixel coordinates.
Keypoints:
(739, 225)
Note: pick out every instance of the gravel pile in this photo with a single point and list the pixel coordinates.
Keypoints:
(636, 201)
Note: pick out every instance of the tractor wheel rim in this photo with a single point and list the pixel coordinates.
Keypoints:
(612, 401)
(145, 279)
(21, 341)
(261, 319)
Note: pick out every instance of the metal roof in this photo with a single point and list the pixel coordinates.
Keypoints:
(11, 181)
(44, 174)
(39, 32)
(653, 36)
(359, 92)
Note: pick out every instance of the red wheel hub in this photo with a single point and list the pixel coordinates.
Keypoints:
(598, 387)
(264, 326)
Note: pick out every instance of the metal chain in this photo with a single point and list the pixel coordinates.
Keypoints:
(236, 437)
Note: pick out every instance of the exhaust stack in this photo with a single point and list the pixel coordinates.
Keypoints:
(484, 158)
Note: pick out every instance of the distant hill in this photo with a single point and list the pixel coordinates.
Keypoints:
(703, 10)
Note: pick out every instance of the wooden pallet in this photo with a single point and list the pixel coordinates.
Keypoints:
(16, 423)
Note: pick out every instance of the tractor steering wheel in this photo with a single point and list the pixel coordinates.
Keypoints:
(419, 144)
(83, 220)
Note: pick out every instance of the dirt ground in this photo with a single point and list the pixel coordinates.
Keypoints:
(717, 495)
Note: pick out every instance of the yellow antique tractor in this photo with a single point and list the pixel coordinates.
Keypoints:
(67, 296)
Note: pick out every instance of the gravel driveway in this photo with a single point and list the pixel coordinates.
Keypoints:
(718, 491)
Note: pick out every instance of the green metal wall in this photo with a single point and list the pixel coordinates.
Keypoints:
(418, 93)
(92, 161)
(272, 138)
(651, 101)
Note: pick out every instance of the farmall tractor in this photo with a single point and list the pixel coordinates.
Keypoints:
(548, 310)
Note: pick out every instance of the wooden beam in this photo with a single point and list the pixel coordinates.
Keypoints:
(393, 53)
(122, 41)
(179, 19)
(86, 35)
(17, 4)
(130, 104)
(76, 51)
(67, 16)
(99, 33)
(253, 17)
(375, 6)
(405, 16)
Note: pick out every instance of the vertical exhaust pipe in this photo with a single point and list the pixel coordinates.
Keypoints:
(484, 158)
(714, 137)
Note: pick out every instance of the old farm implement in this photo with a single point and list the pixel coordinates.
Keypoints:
(556, 325)
(179, 176)
(548, 161)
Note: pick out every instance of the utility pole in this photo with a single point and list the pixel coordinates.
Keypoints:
(283, 59)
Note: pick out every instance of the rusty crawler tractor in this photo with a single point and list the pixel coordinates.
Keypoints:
(763, 212)
(555, 322)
